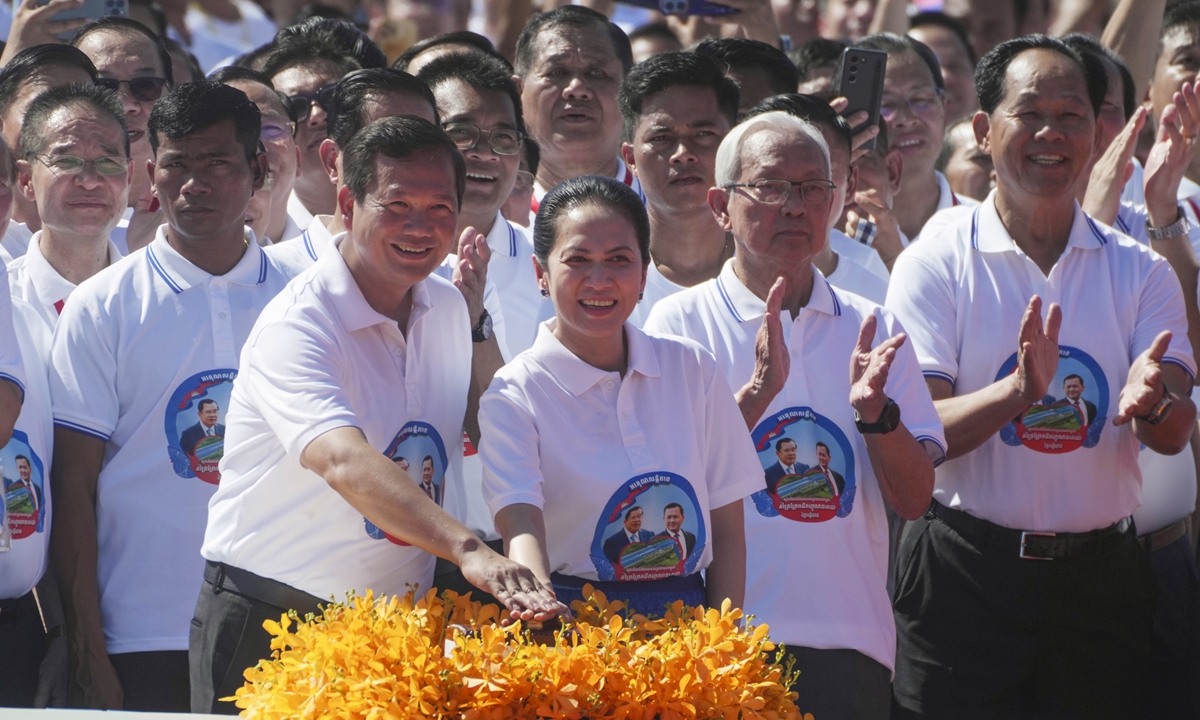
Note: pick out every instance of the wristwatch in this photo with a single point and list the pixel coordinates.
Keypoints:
(1179, 228)
(1160, 411)
(482, 331)
(888, 420)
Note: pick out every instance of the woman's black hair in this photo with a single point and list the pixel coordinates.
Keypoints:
(583, 190)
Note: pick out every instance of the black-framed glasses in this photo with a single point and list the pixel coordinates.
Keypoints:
(73, 164)
(146, 89)
(776, 192)
(302, 103)
(503, 141)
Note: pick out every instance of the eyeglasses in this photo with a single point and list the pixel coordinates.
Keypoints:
(503, 141)
(776, 192)
(73, 164)
(303, 102)
(524, 182)
(274, 132)
(922, 102)
(146, 89)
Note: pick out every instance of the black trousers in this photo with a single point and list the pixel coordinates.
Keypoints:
(1174, 689)
(227, 635)
(155, 681)
(22, 647)
(985, 634)
(841, 684)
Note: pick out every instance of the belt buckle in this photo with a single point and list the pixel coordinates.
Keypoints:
(1025, 533)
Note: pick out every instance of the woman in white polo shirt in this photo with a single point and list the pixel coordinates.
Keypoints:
(610, 456)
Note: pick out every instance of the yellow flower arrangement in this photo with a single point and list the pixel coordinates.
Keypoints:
(400, 658)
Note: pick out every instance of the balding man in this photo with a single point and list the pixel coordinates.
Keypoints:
(570, 64)
(1026, 593)
(785, 336)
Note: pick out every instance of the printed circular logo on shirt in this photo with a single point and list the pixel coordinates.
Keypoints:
(195, 431)
(808, 466)
(24, 487)
(417, 450)
(1073, 413)
(651, 529)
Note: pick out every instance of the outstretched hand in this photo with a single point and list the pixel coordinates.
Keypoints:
(1169, 158)
(1144, 384)
(1037, 350)
(869, 370)
(513, 584)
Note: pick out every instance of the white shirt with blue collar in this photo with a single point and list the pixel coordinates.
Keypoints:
(140, 347)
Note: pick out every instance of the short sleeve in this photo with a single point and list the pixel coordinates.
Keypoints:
(732, 466)
(906, 385)
(11, 367)
(292, 377)
(924, 303)
(1160, 307)
(665, 319)
(83, 370)
(508, 448)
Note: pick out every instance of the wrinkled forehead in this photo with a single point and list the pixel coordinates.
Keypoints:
(1041, 73)
(560, 42)
(770, 148)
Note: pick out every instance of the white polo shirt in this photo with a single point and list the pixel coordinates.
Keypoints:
(588, 446)
(299, 213)
(321, 358)
(813, 522)
(853, 277)
(141, 352)
(511, 271)
(947, 199)
(35, 281)
(864, 255)
(624, 173)
(657, 288)
(28, 499)
(961, 299)
(312, 243)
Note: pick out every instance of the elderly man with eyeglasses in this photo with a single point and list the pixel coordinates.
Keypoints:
(814, 364)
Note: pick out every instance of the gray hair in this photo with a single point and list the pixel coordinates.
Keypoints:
(729, 154)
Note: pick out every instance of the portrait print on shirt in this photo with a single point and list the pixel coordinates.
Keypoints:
(1073, 413)
(650, 529)
(24, 487)
(195, 424)
(808, 466)
(417, 450)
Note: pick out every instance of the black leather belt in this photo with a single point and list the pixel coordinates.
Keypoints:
(13, 606)
(226, 578)
(1028, 544)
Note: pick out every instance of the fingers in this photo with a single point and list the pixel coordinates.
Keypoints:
(1158, 348)
(1031, 321)
(866, 332)
(466, 239)
(1053, 322)
(775, 297)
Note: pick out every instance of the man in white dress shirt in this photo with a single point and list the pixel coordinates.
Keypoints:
(77, 171)
(570, 63)
(677, 106)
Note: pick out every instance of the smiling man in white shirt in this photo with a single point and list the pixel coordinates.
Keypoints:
(363, 359)
(77, 171)
(1026, 592)
(838, 374)
(137, 349)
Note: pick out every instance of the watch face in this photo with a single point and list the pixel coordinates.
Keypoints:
(891, 416)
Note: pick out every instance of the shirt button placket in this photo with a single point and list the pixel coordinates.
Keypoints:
(221, 317)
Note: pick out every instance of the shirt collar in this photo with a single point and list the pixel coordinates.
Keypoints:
(49, 285)
(296, 209)
(351, 306)
(744, 305)
(179, 274)
(502, 238)
(989, 235)
(946, 197)
(576, 376)
(316, 238)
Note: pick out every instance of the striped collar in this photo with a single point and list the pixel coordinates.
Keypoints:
(179, 274)
(502, 238)
(989, 235)
(744, 306)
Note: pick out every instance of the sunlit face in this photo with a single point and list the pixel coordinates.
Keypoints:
(848, 19)
(957, 72)
(426, 471)
(1177, 64)
(1042, 135)
(916, 135)
(86, 204)
(594, 271)
(633, 521)
(673, 517)
(23, 469)
(674, 148)
(209, 414)
(787, 454)
(1073, 388)
(569, 93)
(490, 175)
(822, 456)
(306, 80)
(969, 169)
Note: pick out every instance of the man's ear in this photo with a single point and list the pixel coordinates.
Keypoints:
(894, 162)
(718, 202)
(627, 156)
(150, 172)
(520, 84)
(345, 201)
(329, 157)
(851, 188)
(25, 180)
(981, 124)
(260, 170)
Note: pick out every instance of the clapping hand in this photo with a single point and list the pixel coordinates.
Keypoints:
(1144, 384)
(1171, 155)
(1110, 173)
(1037, 350)
(869, 370)
(470, 273)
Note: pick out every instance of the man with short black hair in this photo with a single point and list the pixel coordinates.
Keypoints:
(652, 39)
(136, 349)
(986, 626)
(76, 170)
(759, 69)
(570, 64)
(29, 74)
(415, 58)
(816, 62)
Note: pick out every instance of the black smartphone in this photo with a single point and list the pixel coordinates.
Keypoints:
(91, 10)
(861, 83)
(683, 8)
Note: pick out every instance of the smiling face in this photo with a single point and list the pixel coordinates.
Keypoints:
(1073, 388)
(633, 521)
(569, 94)
(490, 176)
(917, 136)
(673, 517)
(822, 456)
(957, 72)
(23, 469)
(404, 227)
(1177, 64)
(204, 183)
(674, 148)
(786, 453)
(1042, 134)
(88, 204)
(594, 272)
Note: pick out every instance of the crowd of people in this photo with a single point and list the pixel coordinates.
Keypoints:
(576, 303)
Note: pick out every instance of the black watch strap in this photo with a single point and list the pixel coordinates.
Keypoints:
(888, 420)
